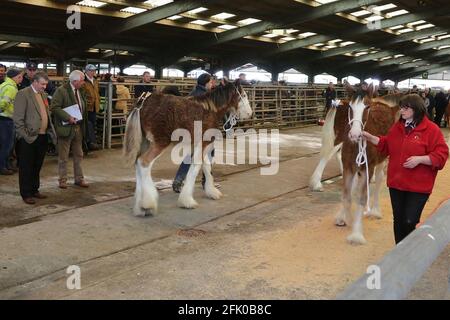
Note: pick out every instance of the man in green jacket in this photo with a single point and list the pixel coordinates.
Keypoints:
(70, 130)
(8, 92)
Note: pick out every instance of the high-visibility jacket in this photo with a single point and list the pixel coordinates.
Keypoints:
(8, 92)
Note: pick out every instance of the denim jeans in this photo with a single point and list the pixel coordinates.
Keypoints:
(6, 140)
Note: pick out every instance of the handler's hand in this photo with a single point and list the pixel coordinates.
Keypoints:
(412, 162)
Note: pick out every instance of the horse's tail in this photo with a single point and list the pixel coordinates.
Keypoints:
(133, 137)
(328, 135)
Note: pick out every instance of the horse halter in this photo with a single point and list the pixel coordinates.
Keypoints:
(234, 116)
(363, 124)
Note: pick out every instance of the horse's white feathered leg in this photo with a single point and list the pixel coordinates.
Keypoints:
(211, 191)
(357, 237)
(343, 216)
(315, 183)
(148, 199)
(379, 175)
(186, 198)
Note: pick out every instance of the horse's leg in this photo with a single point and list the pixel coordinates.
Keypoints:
(315, 183)
(343, 214)
(339, 159)
(210, 190)
(186, 199)
(357, 237)
(146, 198)
(379, 175)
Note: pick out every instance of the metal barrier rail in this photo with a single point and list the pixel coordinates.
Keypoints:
(273, 106)
(404, 265)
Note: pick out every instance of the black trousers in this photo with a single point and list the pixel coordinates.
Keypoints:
(31, 160)
(407, 208)
(440, 111)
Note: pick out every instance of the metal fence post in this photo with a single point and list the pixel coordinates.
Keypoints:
(109, 114)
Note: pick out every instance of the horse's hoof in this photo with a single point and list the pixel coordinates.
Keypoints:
(214, 194)
(340, 223)
(149, 212)
(138, 212)
(318, 187)
(187, 203)
(374, 213)
(356, 238)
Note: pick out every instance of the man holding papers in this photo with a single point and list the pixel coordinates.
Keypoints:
(70, 115)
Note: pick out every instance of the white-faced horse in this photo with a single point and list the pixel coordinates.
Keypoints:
(343, 129)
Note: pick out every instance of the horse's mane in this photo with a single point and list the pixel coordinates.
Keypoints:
(358, 94)
(216, 98)
(392, 100)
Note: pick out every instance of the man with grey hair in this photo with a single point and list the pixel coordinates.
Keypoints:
(70, 130)
(32, 121)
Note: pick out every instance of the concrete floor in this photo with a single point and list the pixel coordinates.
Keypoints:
(269, 237)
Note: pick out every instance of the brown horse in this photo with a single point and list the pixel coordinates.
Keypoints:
(345, 125)
(149, 132)
(333, 127)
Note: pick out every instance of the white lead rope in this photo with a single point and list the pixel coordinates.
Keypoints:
(361, 157)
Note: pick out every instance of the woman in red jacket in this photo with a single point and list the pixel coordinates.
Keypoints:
(416, 150)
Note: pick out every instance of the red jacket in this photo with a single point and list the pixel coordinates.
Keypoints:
(425, 139)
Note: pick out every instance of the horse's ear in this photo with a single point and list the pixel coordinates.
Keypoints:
(349, 88)
(371, 90)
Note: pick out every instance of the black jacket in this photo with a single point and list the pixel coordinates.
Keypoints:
(141, 88)
(441, 100)
(173, 90)
(199, 90)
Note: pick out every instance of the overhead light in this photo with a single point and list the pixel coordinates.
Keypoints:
(325, 1)
(198, 10)
(175, 17)
(318, 44)
(330, 47)
(335, 41)
(444, 37)
(360, 13)
(374, 18)
(383, 7)
(427, 40)
(405, 30)
(248, 21)
(157, 3)
(270, 35)
(399, 55)
(288, 38)
(91, 3)
(443, 47)
(133, 10)
(200, 22)
(415, 23)
(227, 27)
(397, 27)
(396, 13)
(223, 16)
(307, 34)
(425, 26)
(346, 43)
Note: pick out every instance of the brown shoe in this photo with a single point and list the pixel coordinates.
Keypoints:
(29, 200)
(39, 195)
(63, 184)
(82, 184)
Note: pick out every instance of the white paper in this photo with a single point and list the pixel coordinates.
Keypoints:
(73, 111)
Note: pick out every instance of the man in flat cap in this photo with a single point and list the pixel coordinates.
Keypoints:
(30, 71)
(90, 90)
